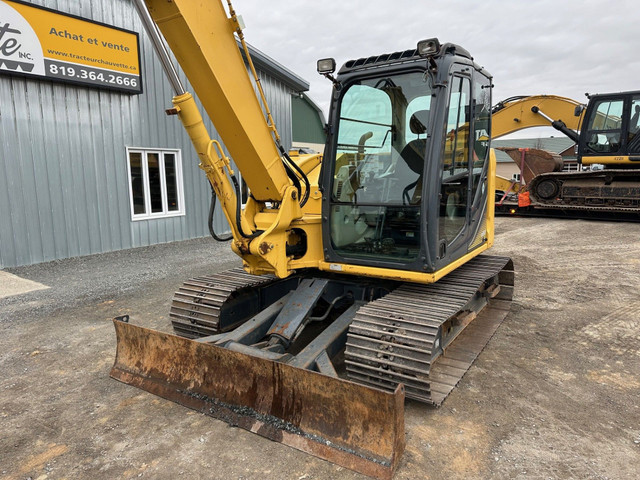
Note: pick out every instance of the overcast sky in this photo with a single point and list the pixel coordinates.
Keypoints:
(561, 47)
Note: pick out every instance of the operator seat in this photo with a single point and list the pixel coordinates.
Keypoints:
(414, 151)
(413, 154)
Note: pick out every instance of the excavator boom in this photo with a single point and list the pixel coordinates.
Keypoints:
(518, 113)
(202, 39)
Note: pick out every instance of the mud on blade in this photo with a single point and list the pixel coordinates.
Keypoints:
(352, 425)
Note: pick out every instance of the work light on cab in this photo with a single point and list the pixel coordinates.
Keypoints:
(326, 65)
(428, 47)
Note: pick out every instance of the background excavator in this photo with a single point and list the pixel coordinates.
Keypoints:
(605, 132)
(363, 278)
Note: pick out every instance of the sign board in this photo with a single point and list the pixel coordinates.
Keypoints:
(36, 41)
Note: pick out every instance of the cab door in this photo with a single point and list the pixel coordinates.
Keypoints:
(464, 165)
(633, 131)
(454, 180)
(603, 134)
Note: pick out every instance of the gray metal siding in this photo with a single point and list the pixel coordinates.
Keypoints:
(63, 168)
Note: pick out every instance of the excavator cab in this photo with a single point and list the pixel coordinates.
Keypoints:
(406, 161)
(610, 131)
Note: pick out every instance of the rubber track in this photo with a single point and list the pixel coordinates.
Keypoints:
(391, 340)
(196, 305)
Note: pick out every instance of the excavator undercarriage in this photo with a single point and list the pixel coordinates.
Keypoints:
(322, 363)
(610, 194)
(611, 190)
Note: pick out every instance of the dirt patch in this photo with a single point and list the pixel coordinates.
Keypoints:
(433, 440)
(38, 461)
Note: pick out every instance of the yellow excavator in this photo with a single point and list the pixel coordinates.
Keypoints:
(605, 131)
(363, 279)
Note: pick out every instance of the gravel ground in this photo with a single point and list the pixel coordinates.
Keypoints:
(554, 395)
(82, 280)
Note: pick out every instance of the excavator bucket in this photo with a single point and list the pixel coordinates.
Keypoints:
(533, 161)
(358, 427)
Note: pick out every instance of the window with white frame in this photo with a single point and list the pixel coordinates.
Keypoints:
(155, 183)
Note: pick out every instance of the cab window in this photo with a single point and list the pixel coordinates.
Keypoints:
(634, 120)
(455, 161)
(604, 129)
(376, 192)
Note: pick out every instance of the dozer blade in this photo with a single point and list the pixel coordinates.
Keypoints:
(358, 427)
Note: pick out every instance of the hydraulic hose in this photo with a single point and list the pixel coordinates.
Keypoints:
(212, 208)
(236, 187)
(307, 186)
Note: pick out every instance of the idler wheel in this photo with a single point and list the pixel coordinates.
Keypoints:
(547, 189)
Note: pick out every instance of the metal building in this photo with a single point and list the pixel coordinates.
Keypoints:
(71, 156)
(308, 127)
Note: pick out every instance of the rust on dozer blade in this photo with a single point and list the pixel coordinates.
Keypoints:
(358, 427)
